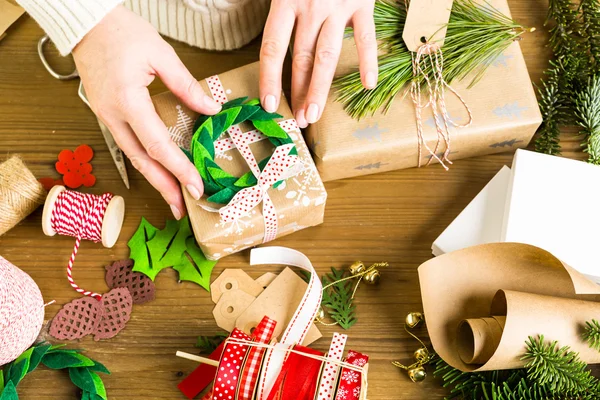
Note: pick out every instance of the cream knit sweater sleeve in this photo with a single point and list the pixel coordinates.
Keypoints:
(208, 24)
(68, 21)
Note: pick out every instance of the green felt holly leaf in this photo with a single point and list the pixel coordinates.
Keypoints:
(99, 367)
(337, 299)
(222, 177)
(222, 196)
(19, 369)
(137, 245)
(235, 102)
(158, 246)
(64, 359)
(88, 381)
(194, 267)
(270, 128)
(178, 244)
(36, 356)
(9, 392)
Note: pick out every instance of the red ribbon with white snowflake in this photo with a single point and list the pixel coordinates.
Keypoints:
(279, 167)
(351, 381)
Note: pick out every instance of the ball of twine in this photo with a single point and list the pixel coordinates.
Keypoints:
(21, 311)
(20, 193)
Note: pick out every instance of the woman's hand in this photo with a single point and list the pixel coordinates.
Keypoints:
(318, 39)
(117, 60)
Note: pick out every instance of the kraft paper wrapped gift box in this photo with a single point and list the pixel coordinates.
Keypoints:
(503, 103)
(299, 201)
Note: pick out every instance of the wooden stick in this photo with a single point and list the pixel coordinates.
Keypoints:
(201, 360)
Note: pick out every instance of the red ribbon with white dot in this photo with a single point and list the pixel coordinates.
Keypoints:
(230, 367)
(331, 371)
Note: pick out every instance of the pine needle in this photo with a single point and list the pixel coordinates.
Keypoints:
(557, 368)
(208, 344)
(477, 34)
(592, 334)
(587, 108)
(337, 299)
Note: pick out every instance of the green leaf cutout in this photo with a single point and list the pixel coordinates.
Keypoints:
(137, 246)
(195, 268)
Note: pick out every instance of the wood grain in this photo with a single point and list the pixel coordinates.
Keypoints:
(390, 217)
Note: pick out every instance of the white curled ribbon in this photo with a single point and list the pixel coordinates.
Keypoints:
(301, 321)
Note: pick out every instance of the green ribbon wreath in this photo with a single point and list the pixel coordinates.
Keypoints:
(83, 371)
(220, 185)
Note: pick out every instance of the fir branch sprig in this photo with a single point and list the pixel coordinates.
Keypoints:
(337, 299)
(557, 368)
(590, 11)
(208, 344)
(477, 34)
(592, 334)
(587, 108)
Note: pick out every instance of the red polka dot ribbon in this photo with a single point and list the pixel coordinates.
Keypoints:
(249, 378)
(351, 382)
(331, 371)
(246, 199)
(230, 367)
(276, 170)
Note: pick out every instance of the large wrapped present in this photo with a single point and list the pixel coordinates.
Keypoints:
(279, 190)
(503, 105)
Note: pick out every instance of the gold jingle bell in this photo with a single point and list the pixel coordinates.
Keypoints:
(357, 267)
(417, 374)
(421, 355)
(320, 314)
(372, 277)
(413, 319)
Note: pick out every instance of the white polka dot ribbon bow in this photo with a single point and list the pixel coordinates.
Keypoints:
(278, 168)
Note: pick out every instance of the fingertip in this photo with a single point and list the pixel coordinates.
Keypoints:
(301, 119)
(312, 113)
(270, 103)
(210, 105)
(370, 80)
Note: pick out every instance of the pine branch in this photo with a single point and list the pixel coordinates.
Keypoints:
(337, 299)
(592, 334)
(558, 369)
(587, 108)
(551, 106)
(208, 344)
(590, 10)
(477, 34)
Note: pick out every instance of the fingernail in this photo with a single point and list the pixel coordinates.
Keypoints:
(300, 119)
(213, 105)
(371, 80)
(176, 212)
(312, 113)
(270, 103)
(193, 191)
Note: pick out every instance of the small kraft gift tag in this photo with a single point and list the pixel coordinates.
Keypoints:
(426, 22)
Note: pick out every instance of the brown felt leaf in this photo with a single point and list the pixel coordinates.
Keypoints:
(120, 274)
(117, 306)
(77, 319)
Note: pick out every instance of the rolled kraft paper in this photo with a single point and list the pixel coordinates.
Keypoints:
(478, 338)
(462, 285)
(21, 311)
(20, 193)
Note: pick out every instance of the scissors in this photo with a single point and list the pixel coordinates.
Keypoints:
(115, 151)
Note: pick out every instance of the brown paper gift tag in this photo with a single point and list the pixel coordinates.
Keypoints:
(299, 201)
(505, 117)
(426, 21)
(9, 13)
(279, 301)
(535, 292)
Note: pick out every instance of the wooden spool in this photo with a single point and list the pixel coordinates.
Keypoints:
(111, 224)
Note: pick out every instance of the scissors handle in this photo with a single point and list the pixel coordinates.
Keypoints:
(56, 75)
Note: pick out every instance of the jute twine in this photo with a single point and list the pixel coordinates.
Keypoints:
(20, 193)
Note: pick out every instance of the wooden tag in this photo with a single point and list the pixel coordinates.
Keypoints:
(427, 21)
(278, 301)
(233, 279)
(231, 305)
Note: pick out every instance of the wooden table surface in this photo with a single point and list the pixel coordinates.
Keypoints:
(390, 217)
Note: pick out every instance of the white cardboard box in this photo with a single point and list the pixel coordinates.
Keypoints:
(543, 200)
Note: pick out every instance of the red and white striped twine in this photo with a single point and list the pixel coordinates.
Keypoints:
(79, 215)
